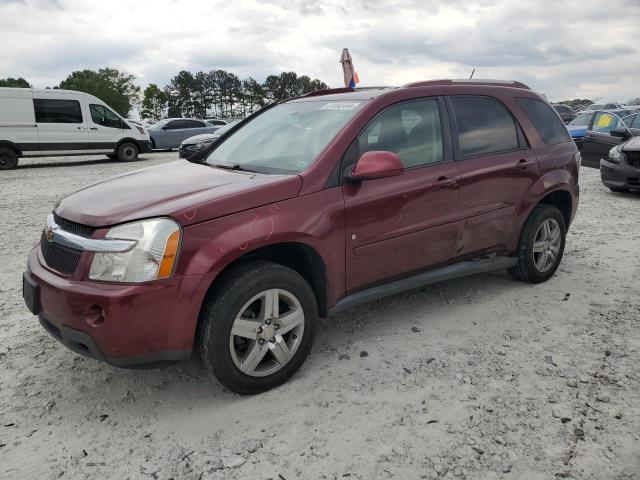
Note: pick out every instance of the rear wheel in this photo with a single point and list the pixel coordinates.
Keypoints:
(257, 327)
(8, 158)
(127, 152)
(541, 245)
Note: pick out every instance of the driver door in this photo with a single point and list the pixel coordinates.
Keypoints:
(599, 141)
(399, 225)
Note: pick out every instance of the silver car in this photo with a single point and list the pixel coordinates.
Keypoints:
(170, 132)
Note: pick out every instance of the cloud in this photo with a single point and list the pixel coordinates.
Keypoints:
(574, 48)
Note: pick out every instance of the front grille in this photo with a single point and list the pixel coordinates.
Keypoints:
(69, 226)
(64, 259)
(634, 159)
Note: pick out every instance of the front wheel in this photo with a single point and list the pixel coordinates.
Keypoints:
(541, 245)
(127, 152)
(257, 327)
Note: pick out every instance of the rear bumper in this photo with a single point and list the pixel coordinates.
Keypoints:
(126, 325)
(616, 175)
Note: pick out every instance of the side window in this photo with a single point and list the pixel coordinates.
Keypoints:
(105, 117)
(175, 125)
(604, 122)
(411, 130)
(193, 124)
(484, 126)
(636, 122)
(57, 111)
(547, 123)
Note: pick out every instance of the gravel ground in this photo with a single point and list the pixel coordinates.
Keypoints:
(482, 378)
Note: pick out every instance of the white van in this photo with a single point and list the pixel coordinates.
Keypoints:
(37, 123)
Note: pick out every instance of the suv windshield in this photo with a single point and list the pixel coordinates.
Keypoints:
(286, 138)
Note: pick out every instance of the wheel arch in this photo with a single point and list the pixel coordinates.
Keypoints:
(296, 255)
(11, 145)
(128, 139)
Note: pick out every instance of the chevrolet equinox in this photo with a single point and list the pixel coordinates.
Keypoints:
(302, 210)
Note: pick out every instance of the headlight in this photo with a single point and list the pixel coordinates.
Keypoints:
(153, 257)
(616, 155)
(197, 146)
(140, 129)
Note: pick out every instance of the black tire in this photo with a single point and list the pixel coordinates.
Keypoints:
(526, 269)
(225, 302)
(618, 190)
(8, 158)
(127, 152)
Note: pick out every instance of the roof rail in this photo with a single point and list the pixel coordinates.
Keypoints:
(327, 91)
(472, 81)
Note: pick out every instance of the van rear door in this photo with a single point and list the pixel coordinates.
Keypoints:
(62, 127)
(17, 120)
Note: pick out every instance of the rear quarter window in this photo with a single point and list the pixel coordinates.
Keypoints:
(546, 122)
(485, 126)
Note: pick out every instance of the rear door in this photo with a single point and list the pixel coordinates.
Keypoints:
(106, 128)
(496, 168)
(406, 223)
(17, 120)
(62, 128)
(598, 141)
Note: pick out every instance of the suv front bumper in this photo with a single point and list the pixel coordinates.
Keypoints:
(126, 325)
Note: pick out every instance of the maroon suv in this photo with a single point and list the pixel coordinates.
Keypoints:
(304, 209)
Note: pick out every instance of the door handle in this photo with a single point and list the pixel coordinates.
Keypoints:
(443, 182)
(80, 128)
(522, 164)
(94, 128)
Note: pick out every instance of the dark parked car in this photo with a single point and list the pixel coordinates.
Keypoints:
(620, 170)
(580, 125)
(192, 145)
(598, 140)
(169, 133)
(310, 207)
(566, 112)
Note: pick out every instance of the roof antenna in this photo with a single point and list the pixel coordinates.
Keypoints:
(472, 72)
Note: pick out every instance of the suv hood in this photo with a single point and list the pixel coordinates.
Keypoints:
(188, 192)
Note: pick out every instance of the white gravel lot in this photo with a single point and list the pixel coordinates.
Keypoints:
(482, 378)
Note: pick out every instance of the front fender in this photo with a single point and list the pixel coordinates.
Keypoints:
(209, 247)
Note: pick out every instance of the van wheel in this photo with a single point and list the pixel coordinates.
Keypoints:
(257, 327)
(127, 152)
(541, 245)
(8, 158)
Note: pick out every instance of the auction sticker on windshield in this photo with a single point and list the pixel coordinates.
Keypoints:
(340, 106)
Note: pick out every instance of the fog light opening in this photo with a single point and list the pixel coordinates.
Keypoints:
(95, 316)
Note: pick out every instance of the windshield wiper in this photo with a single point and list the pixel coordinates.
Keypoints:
(236, 167)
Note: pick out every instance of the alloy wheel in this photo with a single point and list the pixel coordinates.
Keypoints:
(546, 244)
(266, 332)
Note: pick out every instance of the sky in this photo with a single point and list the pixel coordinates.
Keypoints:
(562, 48)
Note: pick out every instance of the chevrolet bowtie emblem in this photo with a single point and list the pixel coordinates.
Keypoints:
(48, 233)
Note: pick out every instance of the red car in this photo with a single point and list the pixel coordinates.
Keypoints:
(305, 209)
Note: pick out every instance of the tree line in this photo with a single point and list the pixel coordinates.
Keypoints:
(216, 93)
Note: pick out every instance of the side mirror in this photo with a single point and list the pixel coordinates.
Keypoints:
(166, 127)
(620, 132)
(376, 164)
